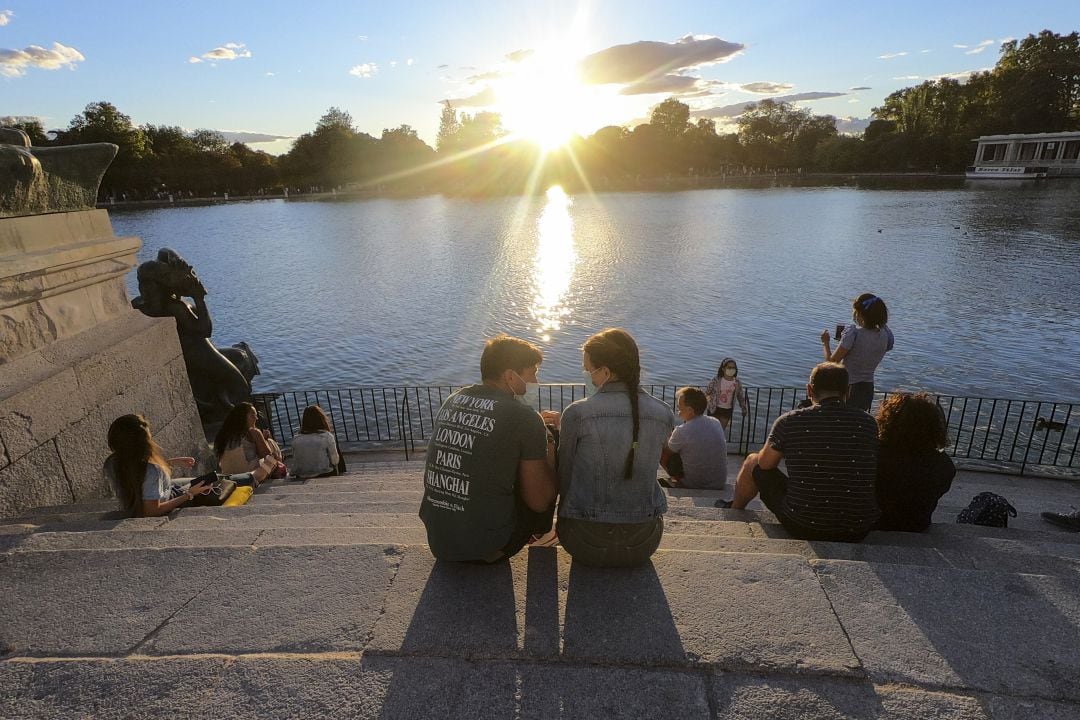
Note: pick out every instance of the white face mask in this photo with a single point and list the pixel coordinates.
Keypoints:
(530, 395)
(730, 372)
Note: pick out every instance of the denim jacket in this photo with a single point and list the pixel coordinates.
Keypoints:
(595, 437)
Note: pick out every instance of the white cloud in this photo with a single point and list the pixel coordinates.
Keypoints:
(731, 111)
(960, 47)
(393, 63)
(269, 74)
(228, 51)
(890, 56)
(1004, 40)
(362, 38)
(662, 84)
(251, 138)
(923, 52)
(519, 55)
(854, 100)
(980, 47)
(483, 98)
(766, 88)
(5, 17)
(192, 60)
(851, 125)
(647, 59)
(962, 76)
(14, 63)
(907, 77)
(409, 62)
(364, 71)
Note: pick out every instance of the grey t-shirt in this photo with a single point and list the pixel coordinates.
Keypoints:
(471, 471)
(702, 446)
(865, 350)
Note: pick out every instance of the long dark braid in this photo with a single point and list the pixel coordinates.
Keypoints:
(616, 350)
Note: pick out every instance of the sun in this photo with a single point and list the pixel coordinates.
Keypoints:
(542, 98)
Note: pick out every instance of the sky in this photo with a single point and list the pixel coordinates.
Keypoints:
(264, 72)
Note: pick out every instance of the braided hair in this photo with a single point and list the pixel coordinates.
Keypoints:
(616, 350)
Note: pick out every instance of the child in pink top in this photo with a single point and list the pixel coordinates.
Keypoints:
(723, 391)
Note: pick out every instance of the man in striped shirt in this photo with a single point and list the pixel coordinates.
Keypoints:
(830, 451)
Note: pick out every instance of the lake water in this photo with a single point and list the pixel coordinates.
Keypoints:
(981, 281)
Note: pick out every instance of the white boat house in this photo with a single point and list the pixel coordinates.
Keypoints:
(1033, 155)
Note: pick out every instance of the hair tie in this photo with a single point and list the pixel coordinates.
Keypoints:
(869, 301)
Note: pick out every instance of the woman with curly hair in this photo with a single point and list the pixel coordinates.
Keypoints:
(913, 472)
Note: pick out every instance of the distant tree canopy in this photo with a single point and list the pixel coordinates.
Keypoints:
(1034, 87)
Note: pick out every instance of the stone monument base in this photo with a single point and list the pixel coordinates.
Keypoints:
(74, 357)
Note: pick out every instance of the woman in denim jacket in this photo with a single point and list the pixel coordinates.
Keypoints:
(611, 507)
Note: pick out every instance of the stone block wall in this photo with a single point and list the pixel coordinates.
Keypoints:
(74, 356)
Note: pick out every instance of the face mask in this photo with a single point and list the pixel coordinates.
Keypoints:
(730, 372)
(590, 388)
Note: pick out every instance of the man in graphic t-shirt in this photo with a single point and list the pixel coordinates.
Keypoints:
(830, 450)
(489, 478)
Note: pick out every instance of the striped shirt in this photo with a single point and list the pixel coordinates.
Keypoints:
(830, 451)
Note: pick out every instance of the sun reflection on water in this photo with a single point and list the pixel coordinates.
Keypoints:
(553, 267)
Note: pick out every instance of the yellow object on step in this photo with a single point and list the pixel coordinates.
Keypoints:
(239, 496)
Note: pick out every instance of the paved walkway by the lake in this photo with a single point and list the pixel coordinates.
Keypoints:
(321, 600)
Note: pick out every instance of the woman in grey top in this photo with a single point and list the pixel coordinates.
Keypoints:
(314, 448)
(861, 348)
(610, 506)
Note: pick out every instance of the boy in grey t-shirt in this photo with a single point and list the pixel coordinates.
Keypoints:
(699, 444)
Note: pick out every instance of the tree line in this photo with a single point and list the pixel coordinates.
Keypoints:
(1034, 87)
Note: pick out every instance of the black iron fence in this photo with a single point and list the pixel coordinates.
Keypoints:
(1017, 436)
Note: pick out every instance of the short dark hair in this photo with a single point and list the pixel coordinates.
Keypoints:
(829, 378)
(912, 423)
(871, 310)
(503, 352)
(695, 399)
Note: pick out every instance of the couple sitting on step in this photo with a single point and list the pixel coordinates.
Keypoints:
(493, 472)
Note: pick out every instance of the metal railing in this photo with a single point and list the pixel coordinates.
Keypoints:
(1015, 436)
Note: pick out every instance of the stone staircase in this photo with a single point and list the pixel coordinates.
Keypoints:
(320, 600)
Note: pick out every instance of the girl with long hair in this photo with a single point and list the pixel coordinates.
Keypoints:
(611, 507)
(913, 472)
(314, 447)
(239, 445)
(140, 473)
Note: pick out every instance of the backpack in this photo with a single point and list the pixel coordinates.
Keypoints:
(988, 509)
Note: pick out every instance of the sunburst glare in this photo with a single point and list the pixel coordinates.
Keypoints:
(553, 267)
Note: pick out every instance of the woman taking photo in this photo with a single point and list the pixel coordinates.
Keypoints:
(862, 346)
(314, 447)
(139, 472)
(239, 445)
(611, 507)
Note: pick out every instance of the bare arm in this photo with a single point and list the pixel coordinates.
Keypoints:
(769, 458)
(538, 488)
(262, 448)
(157, 508)
(826, 346)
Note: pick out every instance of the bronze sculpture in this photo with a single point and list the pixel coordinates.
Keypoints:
(216, 380)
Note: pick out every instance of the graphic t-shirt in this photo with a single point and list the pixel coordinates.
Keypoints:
(471, 471)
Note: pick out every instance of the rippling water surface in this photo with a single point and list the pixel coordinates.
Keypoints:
(981, 282)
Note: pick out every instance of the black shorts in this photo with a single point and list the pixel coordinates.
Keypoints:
(772, 489)
(723, 414)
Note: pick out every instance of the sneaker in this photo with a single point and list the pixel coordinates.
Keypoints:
(1065, 520)
(722, 503)
(548, 539)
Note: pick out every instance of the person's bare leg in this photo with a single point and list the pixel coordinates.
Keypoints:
(745, 487)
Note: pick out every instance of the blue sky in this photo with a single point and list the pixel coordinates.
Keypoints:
(272, 68)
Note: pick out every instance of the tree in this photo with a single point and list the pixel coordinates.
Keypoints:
(103, 122)
(670, 117)
(782, 135)
(1038, 82)
(446, 139)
